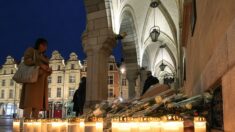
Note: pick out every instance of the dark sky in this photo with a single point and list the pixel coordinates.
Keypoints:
(61, 22)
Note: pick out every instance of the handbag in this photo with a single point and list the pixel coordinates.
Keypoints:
(27, 74)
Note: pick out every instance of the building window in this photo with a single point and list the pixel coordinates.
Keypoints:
(12, 72)
(58, 68)
(72, 66)
(3, 82)
(110, 80)
(49, 79)
(12, 82)
(72, 79)
(123, 82)
(49, 92)
(111, 67)
(11, 94)
(59, 79)
(2, 94)
(110, 93)
(5, 72)
(85, 69)
(58, 95)
(71, 92)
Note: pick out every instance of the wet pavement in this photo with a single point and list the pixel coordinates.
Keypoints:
(5, 124)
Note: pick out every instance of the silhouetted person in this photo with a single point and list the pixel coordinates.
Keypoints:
(151, 80)
(80, 97)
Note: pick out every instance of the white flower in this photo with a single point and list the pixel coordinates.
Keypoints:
(158, 99)
(188, 106)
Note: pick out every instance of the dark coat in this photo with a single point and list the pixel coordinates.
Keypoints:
(79, 97)
(151, 80)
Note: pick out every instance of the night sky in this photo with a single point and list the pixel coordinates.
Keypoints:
(61, 22)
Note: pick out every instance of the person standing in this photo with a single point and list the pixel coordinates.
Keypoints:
(151, 80)
(34, 96)
(80, 97)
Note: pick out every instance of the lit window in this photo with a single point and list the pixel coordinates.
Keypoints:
(58, 92)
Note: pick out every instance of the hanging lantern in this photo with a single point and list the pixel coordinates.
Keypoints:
(155, 30)
(154, 3)
(162, 66)
(154, 34)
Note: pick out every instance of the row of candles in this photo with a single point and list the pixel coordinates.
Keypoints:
(58, 125)
(123, 124)
(169, 123)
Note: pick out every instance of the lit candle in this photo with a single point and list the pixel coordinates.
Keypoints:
(75, 125)
(199, 124)
(96, 125)
(16, 126)
(57, 125)
(155, 125)
(115, 125)
(28, 126)
(172, 124)
(37, 125)
(144, 127)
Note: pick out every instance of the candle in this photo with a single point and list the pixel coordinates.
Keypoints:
(199, 124)
(16, 126)
(57, 125)
(37, 125)
(114, 125)
(96, 125)
(172, 123)
(76, 125)
(44, 124)
(28, 126)
(155, 124)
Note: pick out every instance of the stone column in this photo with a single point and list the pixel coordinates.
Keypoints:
(98, 50)
(131, 76)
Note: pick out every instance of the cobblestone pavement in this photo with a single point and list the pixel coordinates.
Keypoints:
(5, 124)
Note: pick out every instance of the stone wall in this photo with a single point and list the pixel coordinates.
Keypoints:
(211, 53)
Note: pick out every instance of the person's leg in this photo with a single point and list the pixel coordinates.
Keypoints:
(81, 110)
(77, 113)
(35, 113)
(27, 112)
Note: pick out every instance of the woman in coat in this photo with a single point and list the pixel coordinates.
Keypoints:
(34, 96)
(80, 97)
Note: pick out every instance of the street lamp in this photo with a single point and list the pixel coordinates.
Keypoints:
(123, 70)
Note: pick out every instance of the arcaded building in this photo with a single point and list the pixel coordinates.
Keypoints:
(190, 40)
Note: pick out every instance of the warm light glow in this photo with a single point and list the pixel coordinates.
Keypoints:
(199, 124)
(123, 70)
(82, 124)
(99, 125)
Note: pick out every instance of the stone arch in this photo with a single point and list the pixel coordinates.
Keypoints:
(130, 49)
